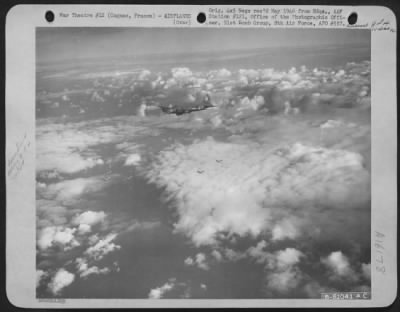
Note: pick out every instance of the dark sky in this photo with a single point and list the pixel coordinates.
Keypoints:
(57, 44)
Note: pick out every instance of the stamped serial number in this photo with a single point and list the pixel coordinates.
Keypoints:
(52, 300)
(363, 295)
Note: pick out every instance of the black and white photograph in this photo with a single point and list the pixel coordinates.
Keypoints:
(188, 163)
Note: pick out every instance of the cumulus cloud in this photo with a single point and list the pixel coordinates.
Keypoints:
(189, 261)
(257, 252)
(288, 228)
(133, 160)
(210, 184)
(222, 73)
(221, 191)
(339, 265)
(84, 228)
(144, 74)
(180, 76)
(68, 148)
(127, 147)
(181, 72)
(217, 255)
(292, 75)
(58, 235)
(93, 239)
(89, 218)
(85, 270)
(60, 150)
(159, 292)
(271, 74)
(61, 279)
(233, 255)
(94, 270)
(286, 258)
(283, 275)
(282, 282)
(67, 190)
(51, 213)
(249, 74)
(171, 289)
(337, 262)
(254, 103)
(199, 261)
(103, 247)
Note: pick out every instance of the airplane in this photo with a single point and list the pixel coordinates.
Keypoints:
(206, 103)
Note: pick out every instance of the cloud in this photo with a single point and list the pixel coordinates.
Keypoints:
(171, 289)
(61, 279)
(287, 258)
(159, 292)
(181, 76)
(144, 74)
(198, 218)
(286, 229)
(84, 228)
(102, 247)
(127, 147)
(66, 163)
(271, 74)
(81, 264)
(253, 104)
(94, 270)
(282, 282)
(282, 274)
(258, 252)
(209, 183)
(199, 261)
(267, 183)
(249, 74)
(339, 265)
(60, 150)
(51, 213)
(69, 148)
(51, 235)
(65, 237)
(222, 73)
(132, 160)
(124, 225)
(217, 255)
(84, 269)
(142, 225)
(337, 262)
(89, 218)
(233, 255)
(68, 190)
(292, 75)
(93, 239)
(181, 73)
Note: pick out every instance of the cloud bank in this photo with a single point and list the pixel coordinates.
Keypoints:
(61, 280)
(225, 188)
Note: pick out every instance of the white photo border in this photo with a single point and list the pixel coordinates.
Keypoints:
(21, 23)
